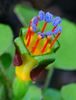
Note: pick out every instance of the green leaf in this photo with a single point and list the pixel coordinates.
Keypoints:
(5, 38)
(66, 55)
(33, 93)
(21, 46)
(10, 73)
(20, 88)
(25, 13)
(11, 50)
(68, 92)
(51, 94)
(6, 60)
(7, 57)
(47, 58)
(2, 92)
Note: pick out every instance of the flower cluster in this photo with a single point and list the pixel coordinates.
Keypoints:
(35, 47)
(48, 18)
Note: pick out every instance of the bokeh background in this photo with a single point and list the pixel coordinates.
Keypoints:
(16, 14)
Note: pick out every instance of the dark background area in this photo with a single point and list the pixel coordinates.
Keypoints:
(64, 8)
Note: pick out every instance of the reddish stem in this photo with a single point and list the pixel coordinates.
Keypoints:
(44, 26)
(45, 45)
(28, 32)
(54, 28)
(36, 44)
(29, 39)
(38, 21)
(55, 39)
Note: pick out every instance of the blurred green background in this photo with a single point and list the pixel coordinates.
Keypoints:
(61, 82)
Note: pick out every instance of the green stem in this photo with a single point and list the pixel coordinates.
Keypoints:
(48, 78)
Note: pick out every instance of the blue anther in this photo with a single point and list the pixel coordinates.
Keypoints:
(42, 34)
(41, 15)
(39, 33)
(48, 17)
(57, 18)
(58, 29)
(56, 21)
(48, 33)
(35, 20)
(34, 27)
